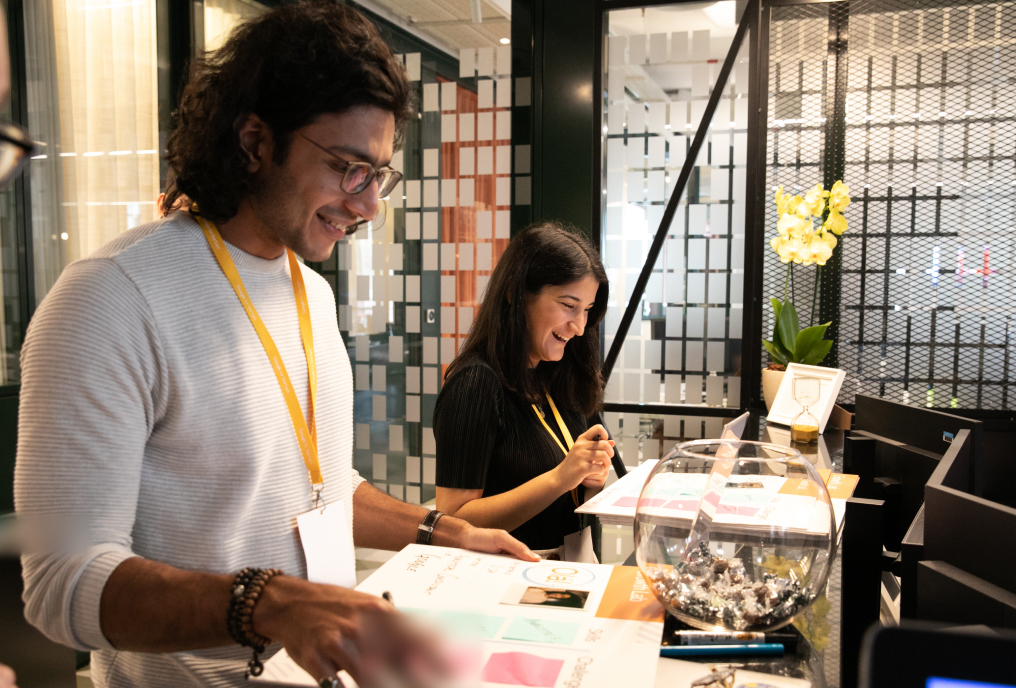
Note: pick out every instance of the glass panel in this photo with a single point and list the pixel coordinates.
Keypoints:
(96, 112)
(923, 297)
(222, 15)
(660, 65)
(10, 296)
(408, 290)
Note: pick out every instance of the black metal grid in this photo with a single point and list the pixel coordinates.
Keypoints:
(913, 106)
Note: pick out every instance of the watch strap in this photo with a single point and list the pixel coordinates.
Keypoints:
(425, 530)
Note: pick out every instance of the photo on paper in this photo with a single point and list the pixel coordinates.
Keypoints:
(557, 598)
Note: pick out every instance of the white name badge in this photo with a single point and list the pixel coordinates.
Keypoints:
(328, 546)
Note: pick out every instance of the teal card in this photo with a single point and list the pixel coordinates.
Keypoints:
(542, 631)
(466, 625)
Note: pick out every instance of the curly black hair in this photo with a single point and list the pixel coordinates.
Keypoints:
(546, 253)
(287, 66)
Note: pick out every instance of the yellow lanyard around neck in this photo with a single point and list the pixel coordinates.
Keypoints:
(564, 432)
(560, 423)
(306, 432)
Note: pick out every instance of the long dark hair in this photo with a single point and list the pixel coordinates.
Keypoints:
(540, 255)
(287, 66)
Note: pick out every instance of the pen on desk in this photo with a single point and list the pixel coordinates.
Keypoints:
(707, 650)
(388, 597)
(788, 640)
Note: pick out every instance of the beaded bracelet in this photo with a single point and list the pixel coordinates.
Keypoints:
(246, 590)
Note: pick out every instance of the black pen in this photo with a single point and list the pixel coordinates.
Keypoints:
(387, 596)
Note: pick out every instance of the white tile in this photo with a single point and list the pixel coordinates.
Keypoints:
(430, 380)
(502, 224)
(430, 225)
(413, 463)
(657, 151)
(679, 46)
(615, 118)
(363, 435)
(448, 128)
(465, 319)
(395, 438)
(413, 405)
(504, 60)
(395, 288)
(504, 125)
(484, 126)
(700, 45)
(412, 379)
(485, 62)
(615, 85)
(413, 193)
(430, 464)
(481, 286)
(362, 347)
(636, 153)
(503, 190)
(379, 407)
(449, 93)
(412, 497)
(380, 466)
(636, 119)
(467, 63)
(636, 50)
(504, 160)
(467, 126)
(658, 48)
(504, 92)
(431, 97)
(430, 350)
(485, 94)
(447, 256)
(397, 196)
(448, 344)
(484, 225)
(413, 66)
(395, 256)
(448, 288)
(656, 118)
(523, 190)
(617, 50)
(363, 377)
(485, 160)
(467, 161)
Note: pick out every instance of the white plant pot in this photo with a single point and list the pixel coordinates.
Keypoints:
(771, 381)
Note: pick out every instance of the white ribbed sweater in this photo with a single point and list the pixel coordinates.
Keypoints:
(151, 419)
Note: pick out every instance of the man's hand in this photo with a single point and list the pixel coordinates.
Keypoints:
(326, 629)
(7, 677)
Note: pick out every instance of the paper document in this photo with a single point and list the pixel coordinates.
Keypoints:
(761, 502)
(549, 623)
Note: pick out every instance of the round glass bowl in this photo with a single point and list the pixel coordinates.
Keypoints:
(733, 535)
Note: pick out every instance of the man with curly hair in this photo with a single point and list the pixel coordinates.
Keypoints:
(187, 395)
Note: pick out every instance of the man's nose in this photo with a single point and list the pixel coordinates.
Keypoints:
(365, 203)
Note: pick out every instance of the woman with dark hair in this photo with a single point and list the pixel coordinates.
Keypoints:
(520, 390)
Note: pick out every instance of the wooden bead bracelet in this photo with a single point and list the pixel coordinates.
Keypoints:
(246, 590)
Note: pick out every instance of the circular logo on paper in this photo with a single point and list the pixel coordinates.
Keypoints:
(558, 576)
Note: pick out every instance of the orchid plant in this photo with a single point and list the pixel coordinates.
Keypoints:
(799, 241)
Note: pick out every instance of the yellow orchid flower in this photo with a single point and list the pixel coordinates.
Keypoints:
(820, 250)
(835, 223)
(782, 200)
(830, 239)
(791, 225)
(793, 204)
(788, 249)
(814, 201)
(839, 196)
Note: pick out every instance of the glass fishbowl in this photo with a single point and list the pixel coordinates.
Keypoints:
(735, 536)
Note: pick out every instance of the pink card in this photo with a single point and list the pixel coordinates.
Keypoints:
(522, 669)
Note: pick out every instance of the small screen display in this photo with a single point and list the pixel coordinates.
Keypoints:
(935, 682)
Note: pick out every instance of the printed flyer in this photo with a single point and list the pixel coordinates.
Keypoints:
(550, 624)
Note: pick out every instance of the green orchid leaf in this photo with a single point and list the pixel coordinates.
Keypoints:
(818, 353)
(807, 339)
(774, 352)
(787, 327)
(777, 307)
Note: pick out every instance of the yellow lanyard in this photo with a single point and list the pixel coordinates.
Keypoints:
(564, 431)
(306, 433)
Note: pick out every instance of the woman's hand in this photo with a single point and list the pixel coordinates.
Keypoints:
(589, 459)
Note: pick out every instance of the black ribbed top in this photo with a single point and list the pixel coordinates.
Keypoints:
(487, 437)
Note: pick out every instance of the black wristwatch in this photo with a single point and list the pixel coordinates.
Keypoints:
(426, 529)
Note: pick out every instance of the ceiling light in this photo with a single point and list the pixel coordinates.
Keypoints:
(505, 41)
(723, 13)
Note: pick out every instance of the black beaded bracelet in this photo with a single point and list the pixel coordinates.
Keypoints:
(246, 591)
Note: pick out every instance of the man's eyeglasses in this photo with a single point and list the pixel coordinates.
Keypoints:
(16, 147)
(357, 176)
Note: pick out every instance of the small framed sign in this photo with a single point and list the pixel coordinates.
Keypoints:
(785, 408)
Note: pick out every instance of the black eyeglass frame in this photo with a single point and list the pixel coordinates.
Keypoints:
(393, 176)
(12, 134)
